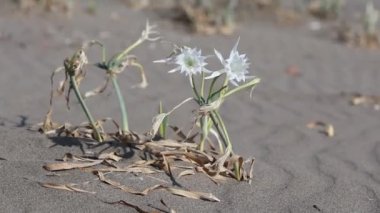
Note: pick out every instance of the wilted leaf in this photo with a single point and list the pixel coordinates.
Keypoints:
(68, 157)
(68, 187)
(170, 209)
(182, 135)
(237, 162)
(218, 165)
(97, 90)
(171, 143)
(200, 158)
(193, 194)
(123, 187)
(166, 167)
(327, 129)
(70, 165)
(144, 82)
(214, 177)
(359, 99)
(186, 172)
(138, 209)
(142, 170)
(250, 173)
(211, 107)
(111, 156)
(157, 120)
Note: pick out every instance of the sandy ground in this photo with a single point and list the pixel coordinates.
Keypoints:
(296, 169)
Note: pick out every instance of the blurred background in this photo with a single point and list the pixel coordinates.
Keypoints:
(306, 53)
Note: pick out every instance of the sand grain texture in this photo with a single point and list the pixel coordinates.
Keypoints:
(296, 169)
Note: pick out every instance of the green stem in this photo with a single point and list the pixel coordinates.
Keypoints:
(124, 115)
(130, 48)
(199, 100)
(227, 138)
(236, 164)
(85, 109)
(217, 126)
(204, 126)
(164, 124)
(210, 91)
(202, 84)
(225, 85)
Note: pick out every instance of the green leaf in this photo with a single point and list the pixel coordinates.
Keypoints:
(250, 84)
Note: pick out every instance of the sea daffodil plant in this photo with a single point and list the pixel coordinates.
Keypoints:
(234, 71)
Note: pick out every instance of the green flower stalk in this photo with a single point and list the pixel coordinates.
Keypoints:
(74, 69)
(118, 63)
(164, 124)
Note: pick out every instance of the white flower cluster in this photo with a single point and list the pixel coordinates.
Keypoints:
(190, 61)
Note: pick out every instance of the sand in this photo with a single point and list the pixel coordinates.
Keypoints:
(296, 169)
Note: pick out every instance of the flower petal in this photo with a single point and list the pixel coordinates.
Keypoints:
(174, 70)
(236, 45)
(220, 57)
(214, 74)
(166, 60)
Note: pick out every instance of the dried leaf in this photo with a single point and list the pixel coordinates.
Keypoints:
(123, 187)
(186, 172)
(200, 158)
(216, 178)
(236, 163)
(218, 165)
(70, 165)
(358, 99)
(97, 90)
(144, 83)
(170, 209)
(178, 132)
(250, 173)
(142, 170)
(211, 107)
(111, 156)
(157, 120)
(138, 209)
(327, 129)
(171, 143)
(166, 167)
(193, 194)
(3, 159)
(182, 135)
(68, 157)
(68, 187)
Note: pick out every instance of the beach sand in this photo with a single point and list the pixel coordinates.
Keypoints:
(296, 169)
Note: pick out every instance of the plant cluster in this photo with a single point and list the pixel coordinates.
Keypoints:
(210, 16)
(210, 89)
(48, 5)
(368, 36)
(326, 9)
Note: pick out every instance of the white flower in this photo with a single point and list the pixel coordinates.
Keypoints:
(235, 66)
(189, 60)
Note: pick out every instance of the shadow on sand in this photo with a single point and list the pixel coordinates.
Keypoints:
(87, 145)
